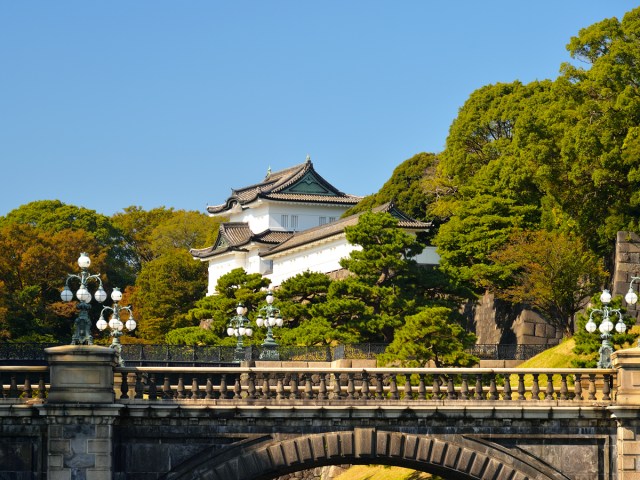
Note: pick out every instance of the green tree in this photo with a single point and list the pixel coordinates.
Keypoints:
(552, 272)
(137, 226)
(232, 288)
(434, 334)
(480, 226)
(386, 285)
(192, 336)
(53, 216)
(165, 289)
(405, 188)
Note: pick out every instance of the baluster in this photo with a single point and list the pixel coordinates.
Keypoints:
(564, 390)
(464, 388)
(153, 388)
(379, 386)
(166, 388)
(41, 387)
(479, 391)
(577, 386)
(13, 387)
(550, 391)
(337, 389)
(436, 387)
(223, 386)
(351, 388)
(181, 390)
(124, 386)
(251, 385)
(294, 393)
(279, 387)
(364, 393)
(451, 389)
(592, 386)
(408, 393)
(265, 385)
(322, 388)
(535, 388)
(27, 390)
(606, 387)
(308, 387)
(493, 389)
(422, 388)
(195, 389)
(506, 391)
(393, 387)
(521, 389)
(209, 393)
(237, 388)
(139, 388)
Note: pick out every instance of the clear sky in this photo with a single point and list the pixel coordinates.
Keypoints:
(106, 104)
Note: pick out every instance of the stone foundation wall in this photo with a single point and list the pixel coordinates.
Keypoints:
(627, 265)
(497, 322)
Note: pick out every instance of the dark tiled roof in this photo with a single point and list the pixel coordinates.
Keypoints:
(336, 228)
(233, 236)
(291, 184)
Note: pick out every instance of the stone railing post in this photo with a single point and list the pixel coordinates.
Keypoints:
(80, 411)
(626, 411)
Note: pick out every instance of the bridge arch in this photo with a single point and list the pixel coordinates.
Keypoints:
(455, 457)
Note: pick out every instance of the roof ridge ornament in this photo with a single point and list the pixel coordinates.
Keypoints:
(308, 159)
(268, 172)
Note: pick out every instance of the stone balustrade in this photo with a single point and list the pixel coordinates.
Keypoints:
(268, 385)
(141, 384)
(23, 384)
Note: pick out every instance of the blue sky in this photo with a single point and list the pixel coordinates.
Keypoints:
(151, 103)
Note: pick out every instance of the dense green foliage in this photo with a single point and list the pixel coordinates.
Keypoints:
(41, 241)
(558, 156)
(404, 188)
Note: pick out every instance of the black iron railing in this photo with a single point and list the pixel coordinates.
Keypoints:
(216, 355)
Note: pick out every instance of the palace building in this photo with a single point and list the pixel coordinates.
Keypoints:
(287, 224)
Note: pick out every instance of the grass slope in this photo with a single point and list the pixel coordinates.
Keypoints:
(559, 356)
(381, 472)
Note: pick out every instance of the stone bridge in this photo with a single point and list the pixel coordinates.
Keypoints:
(83, 417)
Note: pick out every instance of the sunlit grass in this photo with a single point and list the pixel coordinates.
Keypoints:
(381, 472)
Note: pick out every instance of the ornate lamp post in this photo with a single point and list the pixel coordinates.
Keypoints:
(239, 326)
(631, 297)
(606, 326)
(115, 324)
(269, 317)
(82, 333)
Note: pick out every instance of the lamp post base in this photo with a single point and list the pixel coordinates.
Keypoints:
(269, 352)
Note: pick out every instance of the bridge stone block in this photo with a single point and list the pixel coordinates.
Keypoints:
(452, 455)
(478, 465)
(364, 442)
(81, 374)
(317, 447)
(437, 452)
(410, 446)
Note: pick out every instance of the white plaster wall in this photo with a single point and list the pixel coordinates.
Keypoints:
(429, 256)
(268, 215)
(322, 258)
(221, 265)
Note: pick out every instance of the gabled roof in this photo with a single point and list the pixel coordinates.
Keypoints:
(300, 183)
(235, 236)
(337, 228)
